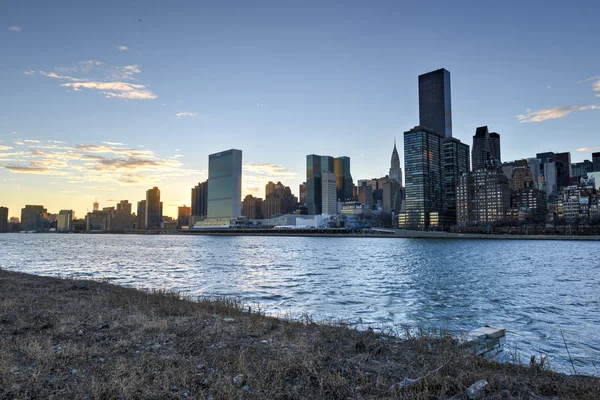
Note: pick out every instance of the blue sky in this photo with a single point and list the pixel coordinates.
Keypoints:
(98, 105)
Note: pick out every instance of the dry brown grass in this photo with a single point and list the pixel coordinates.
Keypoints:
(67, 339)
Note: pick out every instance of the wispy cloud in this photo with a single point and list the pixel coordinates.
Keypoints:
(122, 48)
(112, 81)
(256, 176)
(15, 28)
(267, 169)
(595, 85)
(106, 164)
(119, 90)
(99, 188)
(588, 148)
(593, 78)
(186, 114)
(552, 113)
(27, 169)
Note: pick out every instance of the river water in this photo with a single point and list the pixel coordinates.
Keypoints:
(535, 289)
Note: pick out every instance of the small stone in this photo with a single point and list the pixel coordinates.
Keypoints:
(174, 389)
(74, 372)
(476, 390)
(239, 379)
(80, 333)
(58, 347)
(228, 319)
(246, 388)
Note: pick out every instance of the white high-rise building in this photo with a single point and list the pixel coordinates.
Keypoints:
(328, 193)
(225, 184)
(65, 221)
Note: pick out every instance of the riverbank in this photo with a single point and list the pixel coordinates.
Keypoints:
(64, 338)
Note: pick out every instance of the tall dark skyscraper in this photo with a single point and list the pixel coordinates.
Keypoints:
(435, 108)
(343, 178)
(141, 214)
(455, 162)
(596, 162)
(315, 167)
(3, 219)
(423, 153)
(563, 169)
(562, 162)
(153, 209)
(486, 148)
(200, 199)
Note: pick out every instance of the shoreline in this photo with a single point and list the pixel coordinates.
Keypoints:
(397, 234)
(81, 338)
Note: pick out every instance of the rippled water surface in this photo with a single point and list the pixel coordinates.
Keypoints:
(533, 288)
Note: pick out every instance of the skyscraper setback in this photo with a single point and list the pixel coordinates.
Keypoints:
(395, 170)
(318, 200)
(435, 108)
(486, 148)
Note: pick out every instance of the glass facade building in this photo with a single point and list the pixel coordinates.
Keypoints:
(486, 148)
(581, 169)
(153, 210)
(562, 163)
(423, 152)
(456, 162)
(435, 108)
(563, 169)
(224, 196)
(343, 178)
(596, 162)
(315, 166)
(200, 199)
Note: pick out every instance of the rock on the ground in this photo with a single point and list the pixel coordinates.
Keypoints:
(239, 380)
(476, 390)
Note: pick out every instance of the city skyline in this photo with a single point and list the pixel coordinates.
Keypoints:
(97, 111)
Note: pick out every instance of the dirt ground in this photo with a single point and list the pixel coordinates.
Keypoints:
(70, 339)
